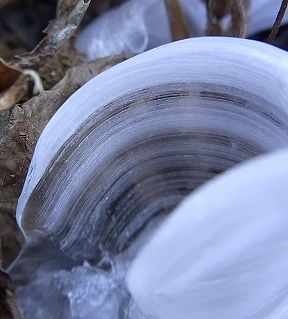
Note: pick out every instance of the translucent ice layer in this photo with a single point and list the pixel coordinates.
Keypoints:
(223, 252)
(138, 138)
(128, 147)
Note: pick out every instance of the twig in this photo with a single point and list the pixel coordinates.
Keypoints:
(178, 27)
(37, 82)
(239, 18)
(210, 11)
(277, 23)
(213, 25)
(58, 31)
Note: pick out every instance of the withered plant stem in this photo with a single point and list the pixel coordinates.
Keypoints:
(277, 23)
(239, 18)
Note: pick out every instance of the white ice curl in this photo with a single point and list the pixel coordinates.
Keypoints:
(223, 253)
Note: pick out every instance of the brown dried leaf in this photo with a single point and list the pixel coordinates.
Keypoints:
(15, 93)
(21, 127)
(14, 84)
(8, 75)
(56, 65)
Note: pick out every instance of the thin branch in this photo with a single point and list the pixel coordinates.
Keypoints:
(210, 11)
(239, 18)
(178, 26)
(58, 31)
(213, 24)
(277, 23)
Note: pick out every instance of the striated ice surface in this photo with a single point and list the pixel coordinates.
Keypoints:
(223, 253)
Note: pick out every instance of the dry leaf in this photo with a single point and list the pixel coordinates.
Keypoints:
(8, 75)
(15, 93)
(56, 65)
(14, 84)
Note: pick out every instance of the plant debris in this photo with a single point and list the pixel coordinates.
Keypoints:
(178, 25)
(14, 85)
(277, 24)
(239, 18)
(236, 9)
(8, 75)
